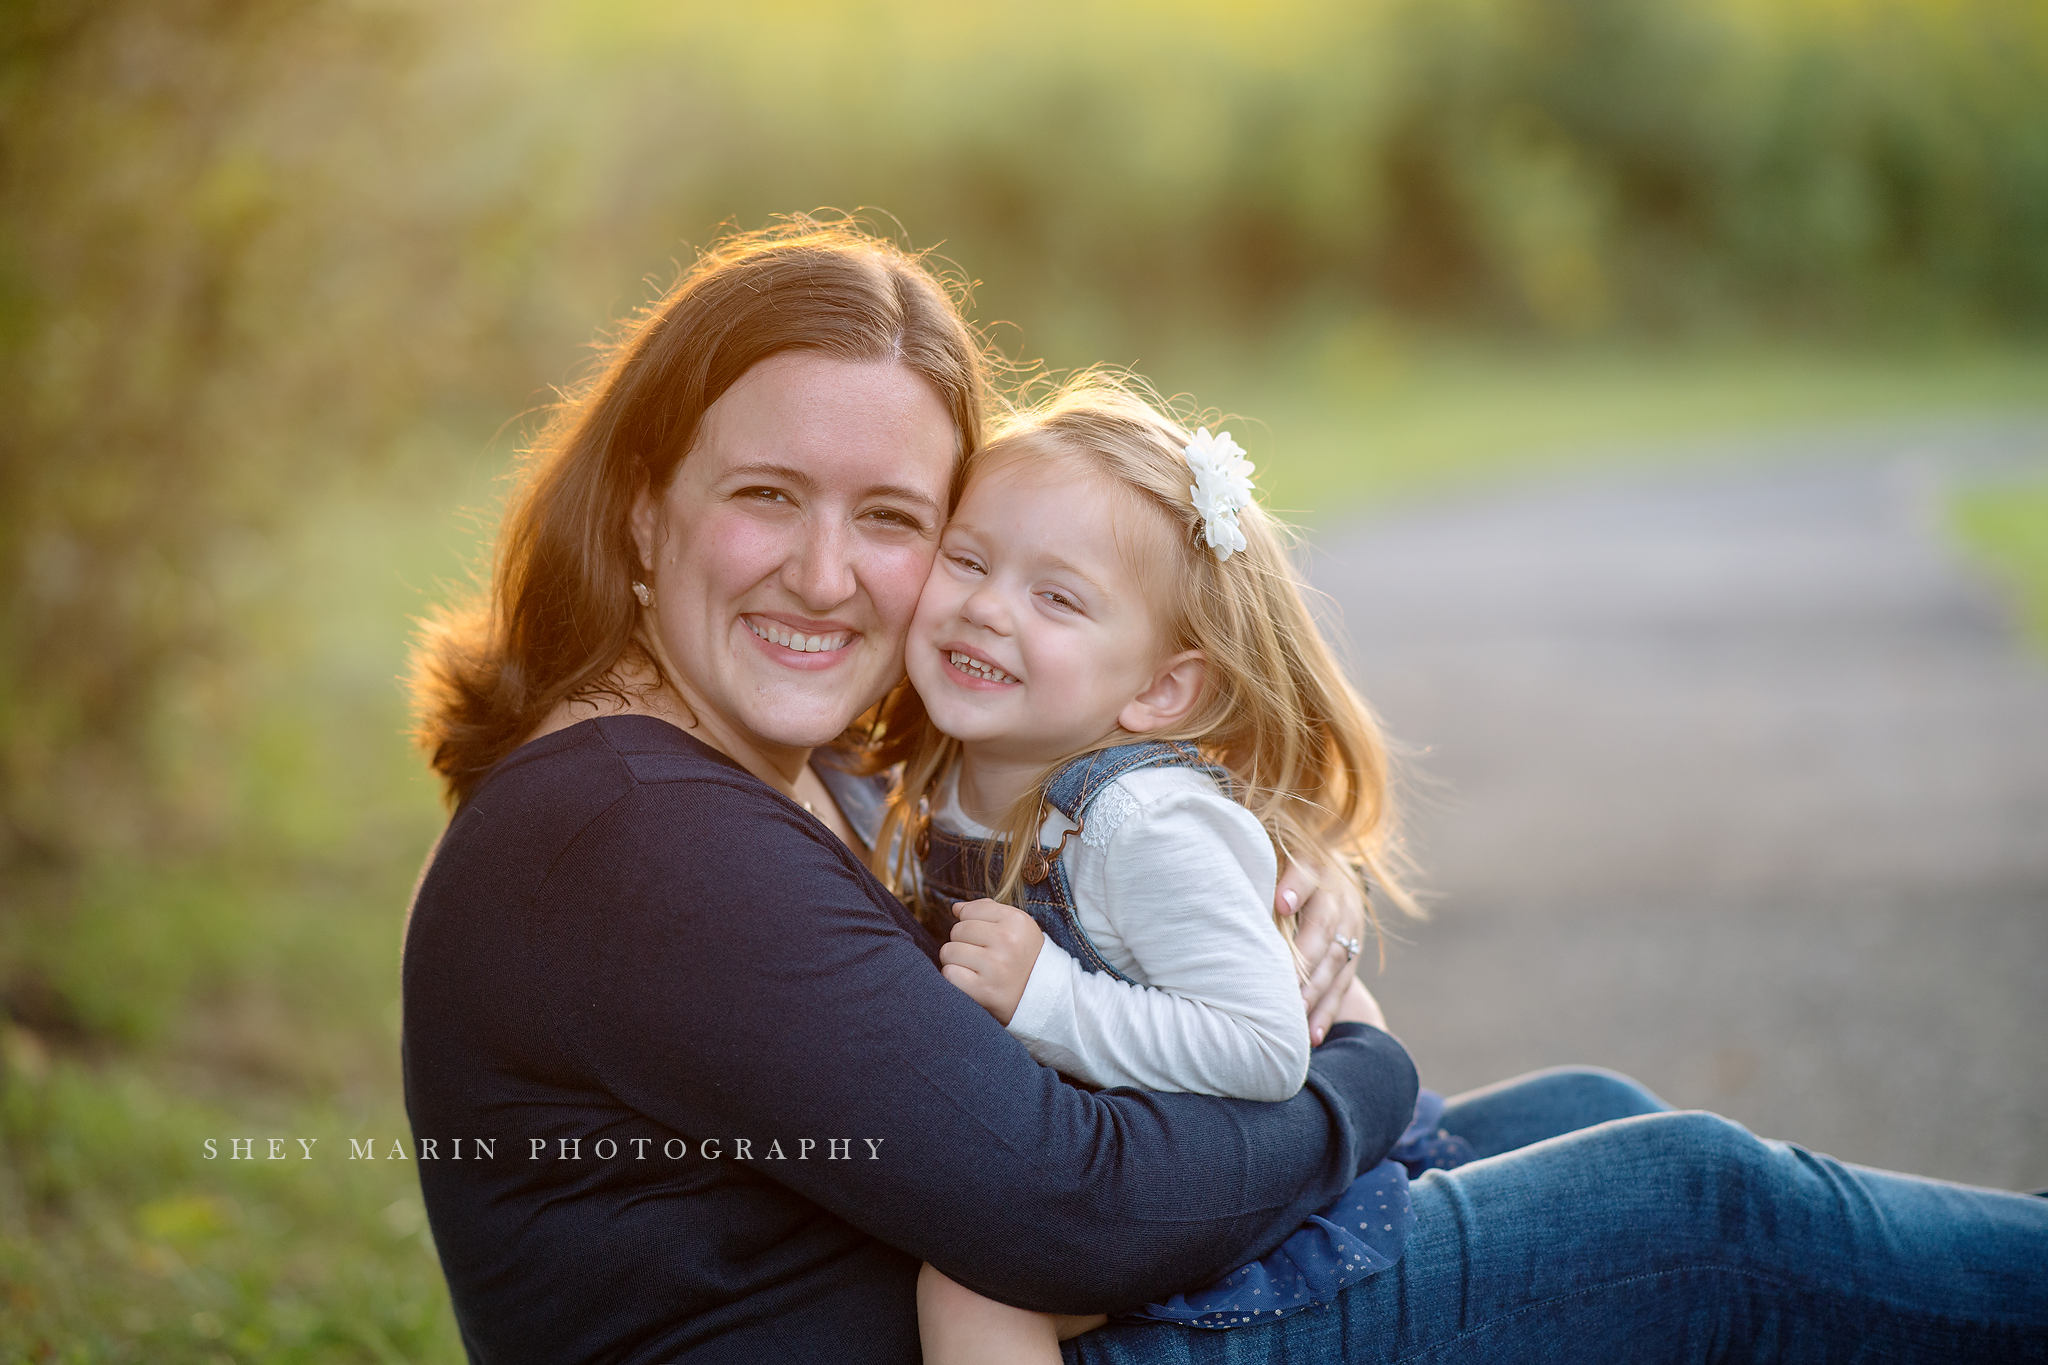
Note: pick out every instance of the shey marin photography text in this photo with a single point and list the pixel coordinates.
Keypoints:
(556, 1148)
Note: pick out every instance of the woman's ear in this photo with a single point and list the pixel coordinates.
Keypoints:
(645, 522)
(1170, 697)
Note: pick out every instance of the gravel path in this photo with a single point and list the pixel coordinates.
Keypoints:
(1734, 778)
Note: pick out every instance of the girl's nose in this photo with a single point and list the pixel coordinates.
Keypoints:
(985, 607)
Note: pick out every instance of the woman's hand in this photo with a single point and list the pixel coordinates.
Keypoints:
(1358, 1007)
(990, 957)
(1328, 910)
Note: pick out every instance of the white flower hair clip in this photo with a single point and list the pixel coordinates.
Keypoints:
(1222, 488)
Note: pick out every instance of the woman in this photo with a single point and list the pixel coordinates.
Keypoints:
(726, 1103)
(727, 1100)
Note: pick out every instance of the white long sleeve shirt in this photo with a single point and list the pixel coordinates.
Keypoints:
(1173, 882)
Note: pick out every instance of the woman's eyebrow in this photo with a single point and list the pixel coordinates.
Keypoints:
(783, 473)
(804, 481)
(899, 492)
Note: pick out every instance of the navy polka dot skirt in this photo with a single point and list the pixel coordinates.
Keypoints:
(1359, 1235)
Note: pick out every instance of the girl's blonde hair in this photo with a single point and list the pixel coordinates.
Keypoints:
(1276, 709)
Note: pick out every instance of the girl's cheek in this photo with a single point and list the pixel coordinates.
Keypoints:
(896, 577)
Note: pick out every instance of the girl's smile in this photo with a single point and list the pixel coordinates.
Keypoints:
(977, 668)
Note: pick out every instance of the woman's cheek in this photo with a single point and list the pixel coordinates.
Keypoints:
(723, 555)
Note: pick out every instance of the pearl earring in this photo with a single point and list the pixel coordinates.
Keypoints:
(640, 590)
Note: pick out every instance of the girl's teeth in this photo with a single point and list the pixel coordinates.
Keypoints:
(967, 663)
(788, 639)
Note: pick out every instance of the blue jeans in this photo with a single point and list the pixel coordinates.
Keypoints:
(1601, 1226)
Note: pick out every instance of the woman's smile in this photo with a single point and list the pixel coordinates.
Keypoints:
(800, 637)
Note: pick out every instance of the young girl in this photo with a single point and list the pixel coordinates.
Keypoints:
(1122, 679)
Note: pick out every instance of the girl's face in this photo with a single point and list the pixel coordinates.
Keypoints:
(1034, 637)
(788, 549)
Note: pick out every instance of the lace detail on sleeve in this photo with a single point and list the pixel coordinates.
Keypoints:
(1106, 814)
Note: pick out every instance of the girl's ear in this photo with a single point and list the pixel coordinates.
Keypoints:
(1170, 696)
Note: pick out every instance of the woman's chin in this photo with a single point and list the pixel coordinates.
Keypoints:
(787, 731)
(804, 713)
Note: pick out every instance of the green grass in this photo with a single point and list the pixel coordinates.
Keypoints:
(252, 990)
(199, 1003)
(2006, 526)
(126, 1242)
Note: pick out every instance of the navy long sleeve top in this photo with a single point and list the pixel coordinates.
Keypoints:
(686, 1084)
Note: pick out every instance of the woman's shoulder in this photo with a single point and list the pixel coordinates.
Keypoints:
(615, 778)
(611, 751)
(630, 811)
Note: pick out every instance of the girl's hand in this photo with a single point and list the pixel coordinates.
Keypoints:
(1327, 908)
(993, 949)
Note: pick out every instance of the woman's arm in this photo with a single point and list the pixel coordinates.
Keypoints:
(745, 977)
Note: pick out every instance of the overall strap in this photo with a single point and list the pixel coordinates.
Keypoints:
(1049, 895)
(1073, 787)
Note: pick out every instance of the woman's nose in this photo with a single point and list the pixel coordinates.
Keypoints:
(821, 570)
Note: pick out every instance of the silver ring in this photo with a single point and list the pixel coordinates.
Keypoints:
(1351, 946)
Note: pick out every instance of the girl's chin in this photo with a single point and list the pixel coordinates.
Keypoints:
(958, 718)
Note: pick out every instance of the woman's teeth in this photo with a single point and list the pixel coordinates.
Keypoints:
(967, 663)
(797, 640)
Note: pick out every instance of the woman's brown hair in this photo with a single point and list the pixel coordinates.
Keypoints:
(558, 617)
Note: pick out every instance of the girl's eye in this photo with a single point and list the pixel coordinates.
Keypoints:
(967, 562)
(1060, 599)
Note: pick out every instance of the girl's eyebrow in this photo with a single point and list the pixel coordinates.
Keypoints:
(1095, 585)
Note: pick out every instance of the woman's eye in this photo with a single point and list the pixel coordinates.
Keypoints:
(764, 494)
(889, 516)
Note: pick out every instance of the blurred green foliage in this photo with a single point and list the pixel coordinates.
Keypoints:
(248, 248)
(279, 277)
(2006, 527)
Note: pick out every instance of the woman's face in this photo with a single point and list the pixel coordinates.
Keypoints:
(789, 547)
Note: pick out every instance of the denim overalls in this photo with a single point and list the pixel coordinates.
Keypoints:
(962, 869)
(1359, 1235)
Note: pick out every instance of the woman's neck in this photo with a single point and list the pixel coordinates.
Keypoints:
(787, 770)
(643, 692)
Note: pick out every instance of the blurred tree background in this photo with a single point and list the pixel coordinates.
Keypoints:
(280, 280)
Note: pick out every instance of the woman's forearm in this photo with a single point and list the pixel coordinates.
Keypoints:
(800, 1005)
(1250, 1044)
